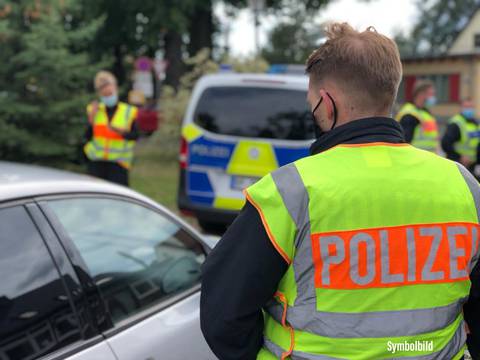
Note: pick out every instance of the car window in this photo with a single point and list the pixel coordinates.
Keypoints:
(136, 256)
(35, 313)
(255, 112)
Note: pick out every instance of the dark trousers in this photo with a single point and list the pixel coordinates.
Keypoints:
(108, 170)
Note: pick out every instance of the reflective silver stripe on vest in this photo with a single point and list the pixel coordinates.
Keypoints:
(296, 199)
(294, 195)
(368, 324)
(296, 355)
(452, 348)
(99, 147)
(475, 190)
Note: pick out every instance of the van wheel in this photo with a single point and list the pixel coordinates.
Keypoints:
(211, 227)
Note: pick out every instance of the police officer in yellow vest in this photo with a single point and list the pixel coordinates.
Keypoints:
(419, 125)
(111, 132)
(367, 249)
(461, 139)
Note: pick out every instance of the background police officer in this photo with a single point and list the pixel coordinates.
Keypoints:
(111, 132)
(419, 125)
(357, 245)
(461, 139)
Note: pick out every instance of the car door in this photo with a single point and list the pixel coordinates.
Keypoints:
(39, 317)
(147, 269)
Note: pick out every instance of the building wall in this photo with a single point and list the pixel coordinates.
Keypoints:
(469, 71)
(464, 44)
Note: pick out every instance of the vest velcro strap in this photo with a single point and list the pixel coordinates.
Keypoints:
(283, 321)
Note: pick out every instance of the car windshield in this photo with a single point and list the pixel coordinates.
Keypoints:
(255, 112)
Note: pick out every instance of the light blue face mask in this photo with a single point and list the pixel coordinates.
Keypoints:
(431, 101)
(110, 101)
(469, 113)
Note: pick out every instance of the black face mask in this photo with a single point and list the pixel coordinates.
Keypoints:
(318, 130)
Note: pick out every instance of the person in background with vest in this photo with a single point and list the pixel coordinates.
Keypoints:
(364, 246)
(461, 139)
(419, 125)
(111, 132)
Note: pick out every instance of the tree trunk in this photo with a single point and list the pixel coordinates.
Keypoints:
(173, 55)
(201, 28)
(118, 67)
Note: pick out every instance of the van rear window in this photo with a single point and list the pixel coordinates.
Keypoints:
(255, 112)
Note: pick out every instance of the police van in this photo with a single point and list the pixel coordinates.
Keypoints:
(238, 128)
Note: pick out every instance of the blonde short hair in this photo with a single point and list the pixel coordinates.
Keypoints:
(365, 65)
(103, 78)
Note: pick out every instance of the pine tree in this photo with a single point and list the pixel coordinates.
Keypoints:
(44, 81)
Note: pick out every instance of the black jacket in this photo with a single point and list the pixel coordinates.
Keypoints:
(242, 272)
(409, 124)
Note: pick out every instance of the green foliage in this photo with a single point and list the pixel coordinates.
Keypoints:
(292, 41)
(45, 79)
(138, 26)
(440, 21)
(296, 35)
(173, 103)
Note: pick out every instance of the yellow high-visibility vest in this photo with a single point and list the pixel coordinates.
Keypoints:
(106, 144)
(379, 254)
(469, 137)
(426, 135)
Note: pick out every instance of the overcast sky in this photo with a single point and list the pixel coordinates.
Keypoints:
(387, 16)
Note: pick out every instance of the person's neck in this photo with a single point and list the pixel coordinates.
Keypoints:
(360, 115)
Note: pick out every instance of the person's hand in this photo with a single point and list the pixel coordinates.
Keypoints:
(117, 130)
(93, 111)
(465, 161)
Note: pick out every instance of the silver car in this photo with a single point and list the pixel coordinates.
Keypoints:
(92, 270)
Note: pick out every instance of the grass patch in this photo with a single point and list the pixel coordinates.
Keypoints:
(155, 174)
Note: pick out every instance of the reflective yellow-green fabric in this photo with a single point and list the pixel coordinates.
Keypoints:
(426, 135)
(264, 196)
(468, 143)
(354, 188)
(419, 296)
(105, 144)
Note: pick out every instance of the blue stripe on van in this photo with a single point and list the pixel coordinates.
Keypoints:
(198, 181)
(212, 153)
(204, 200)
(287, 155)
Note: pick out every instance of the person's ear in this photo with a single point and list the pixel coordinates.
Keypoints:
(329, 107)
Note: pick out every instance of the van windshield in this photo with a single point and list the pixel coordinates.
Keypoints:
(255, 112)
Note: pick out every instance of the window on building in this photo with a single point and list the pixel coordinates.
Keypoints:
(441, 87)
(477, 41)
(447, 87)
